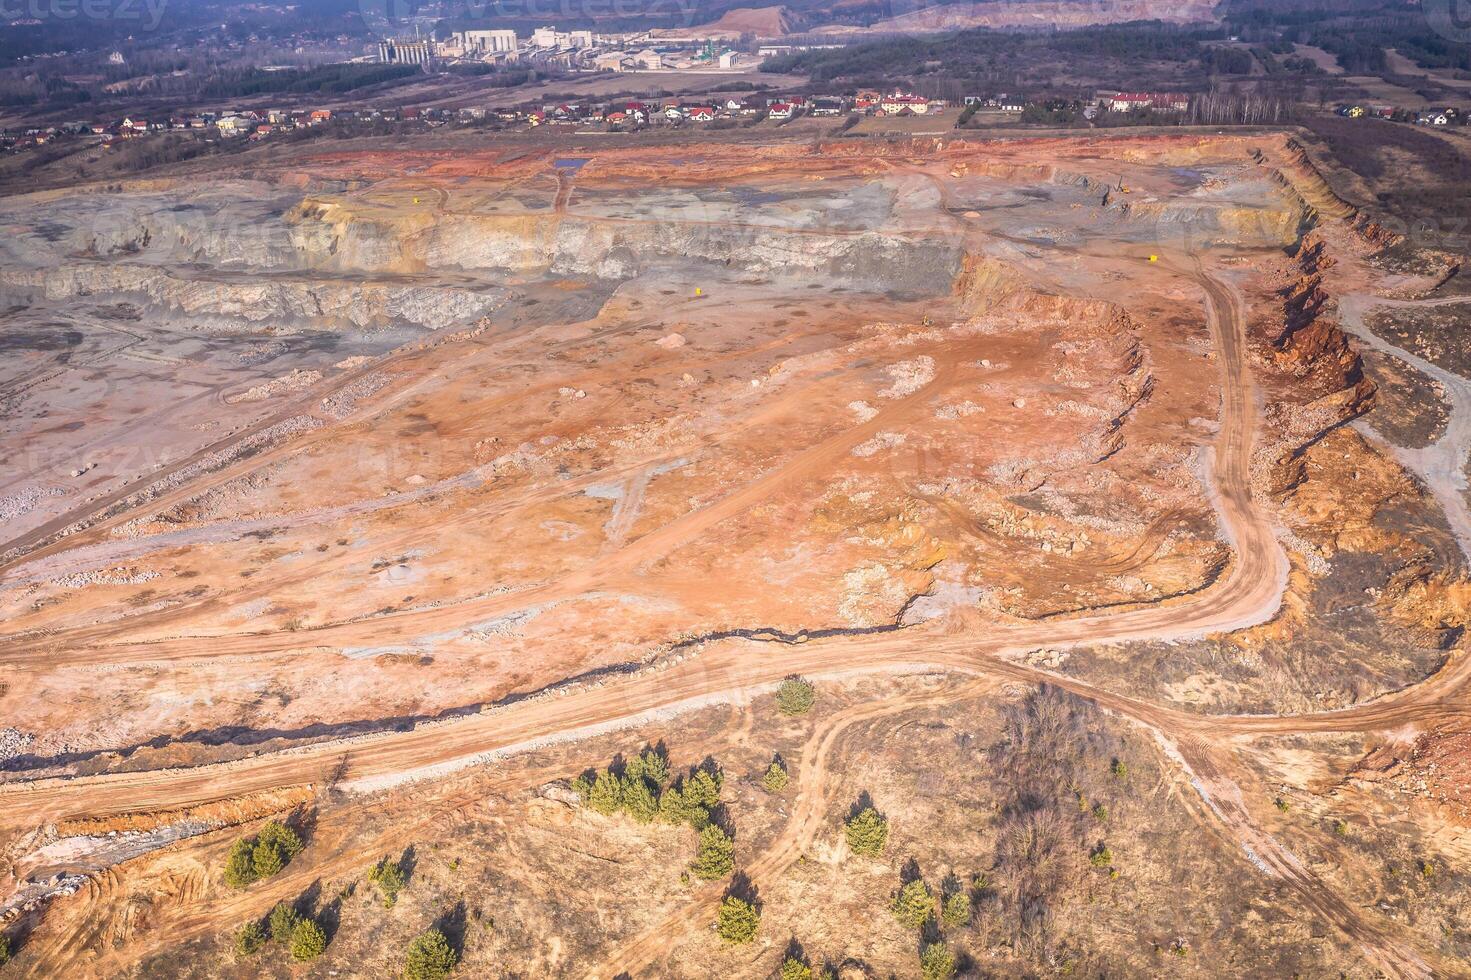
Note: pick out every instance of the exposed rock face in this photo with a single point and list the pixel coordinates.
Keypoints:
(242, 255)
(213, 304)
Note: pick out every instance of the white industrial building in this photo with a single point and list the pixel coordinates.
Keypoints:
(486, 42)
(405, 51)
(550, 37)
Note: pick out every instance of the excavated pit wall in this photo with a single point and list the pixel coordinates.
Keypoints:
(230, 266)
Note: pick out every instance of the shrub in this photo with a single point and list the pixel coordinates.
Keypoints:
(776, 777)
(307, 941)
(390, 879)
(914, 905)
(282, 922)
(430, 957)
(1101, 857)
(606, 795)
(4, 949)
(794, 969)
(936, 962)
(955, 911)
(795, 696)
(715, 857)
(867, 832)
(1119, 770)
(738, 921)
(638, 800)
(249, 939)
(1100, 813)
(1282, 804)
(1340, 827)
(239, 866)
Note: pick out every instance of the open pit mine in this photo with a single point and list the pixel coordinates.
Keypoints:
(380, 495)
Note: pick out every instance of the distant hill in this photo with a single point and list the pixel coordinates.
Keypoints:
(922, 16)
(928, 15)
(761, 21)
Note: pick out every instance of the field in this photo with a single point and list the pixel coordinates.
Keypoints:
(384, 491)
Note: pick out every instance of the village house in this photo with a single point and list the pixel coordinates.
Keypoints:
(899, 104)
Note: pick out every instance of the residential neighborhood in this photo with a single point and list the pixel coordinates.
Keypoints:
(621, 116)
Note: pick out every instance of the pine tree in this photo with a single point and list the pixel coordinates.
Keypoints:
(390, 879)
(936, 962)
(914, 905)
(715, 856)
(606, 795)
(738, 921)
(282, 837)
(430, 957)
(795, 696)
(267, 859)
(240, 866)
(672, 807)
(283, 922)
(867, 832)
(650, 765)
(955, 911)
(307, 941)
(794, 969)
(249, 939)
(702, 788)
(638, 800)
(776, 778)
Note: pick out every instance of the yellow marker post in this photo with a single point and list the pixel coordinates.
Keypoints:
(699, 291)
(416, 201)
(1154, 258)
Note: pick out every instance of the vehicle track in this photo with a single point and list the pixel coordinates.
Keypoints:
(811, 808)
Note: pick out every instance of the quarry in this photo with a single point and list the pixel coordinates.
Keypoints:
(385, 492)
